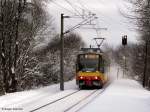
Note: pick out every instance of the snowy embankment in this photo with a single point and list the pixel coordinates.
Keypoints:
(122, 95)
(25, 97)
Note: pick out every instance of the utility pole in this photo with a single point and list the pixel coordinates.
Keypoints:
(145, 60)
(62, 54)
(124, 70)
(145, 64)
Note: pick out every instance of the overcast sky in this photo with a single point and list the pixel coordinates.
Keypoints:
(108, 17)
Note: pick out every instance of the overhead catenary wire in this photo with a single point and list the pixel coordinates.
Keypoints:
(81, 23)
(79, 15)
(84, 7)
(86, 18)
(85, 21)
(108, 17)
(83, 11)
(73, 7)
(76, 16)
(95, 26)
(95, 30)
(97, 22)
(54, 2)
(77, 26)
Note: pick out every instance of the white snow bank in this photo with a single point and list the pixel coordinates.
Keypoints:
(20, 97)
(122, 95)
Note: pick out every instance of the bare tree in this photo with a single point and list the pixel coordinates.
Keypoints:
(11, 12)
(25, 60)
(139, 53)
(143, 23)
(21, 23)
(50, 64)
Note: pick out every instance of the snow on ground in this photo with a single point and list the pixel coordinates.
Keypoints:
(18, 97)
(122, 95)
(39, 102)
(27, 96)
(64, 104)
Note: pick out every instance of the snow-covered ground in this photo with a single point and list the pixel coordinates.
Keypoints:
(21, 98)
(122, 95)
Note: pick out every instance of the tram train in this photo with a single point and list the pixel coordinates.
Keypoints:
(90, 68)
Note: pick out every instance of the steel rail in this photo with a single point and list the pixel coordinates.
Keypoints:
(54, 101)
(79, 101)
(74, 105)
(90, 95)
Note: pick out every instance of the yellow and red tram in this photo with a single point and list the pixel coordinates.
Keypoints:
(90, 70)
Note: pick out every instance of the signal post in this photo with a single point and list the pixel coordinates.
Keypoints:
(124, 43)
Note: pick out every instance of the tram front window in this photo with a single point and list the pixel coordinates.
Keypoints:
(88, 65)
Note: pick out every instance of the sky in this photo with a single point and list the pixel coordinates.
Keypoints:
(109, 16)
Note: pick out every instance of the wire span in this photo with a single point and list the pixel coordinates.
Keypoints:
(73, 7)
(54, 2)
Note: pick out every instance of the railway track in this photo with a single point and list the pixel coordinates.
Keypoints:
(82, 98)
(52, 102)
(77, 103)
(84, 95)
(85, 101)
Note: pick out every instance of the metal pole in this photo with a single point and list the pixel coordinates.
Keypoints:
(125, 67)
(145, 64)
(62, 55)
(124, 62)
(118, 73)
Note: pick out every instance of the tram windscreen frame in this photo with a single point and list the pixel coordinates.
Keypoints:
(89, 62)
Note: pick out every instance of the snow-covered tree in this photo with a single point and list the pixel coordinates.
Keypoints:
(21, 22)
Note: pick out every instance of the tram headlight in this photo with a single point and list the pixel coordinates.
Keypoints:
(96, 77)
(81, 77)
